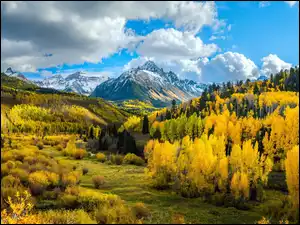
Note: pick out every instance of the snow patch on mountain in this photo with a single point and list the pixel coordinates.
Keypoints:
(9, 71)
(151, 83)
(77, 82)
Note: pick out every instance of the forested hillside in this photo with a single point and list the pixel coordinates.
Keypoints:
(226, 142)
(232, 151)
(13, 82)
(26, 109)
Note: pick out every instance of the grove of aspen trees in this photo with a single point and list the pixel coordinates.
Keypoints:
(61, 155)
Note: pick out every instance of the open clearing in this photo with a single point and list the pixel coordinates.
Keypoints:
(131, 184)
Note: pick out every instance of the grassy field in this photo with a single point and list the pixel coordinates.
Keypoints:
(131, 184)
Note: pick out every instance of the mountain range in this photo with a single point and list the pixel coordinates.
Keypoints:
(145, 83)
(77, 82)
(18, 75)
(148, 83)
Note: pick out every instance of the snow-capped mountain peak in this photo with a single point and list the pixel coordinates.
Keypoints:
(172, 77)
(10, 72)
(78, 82)
(148, 82)
(151, 66)
(76, 75)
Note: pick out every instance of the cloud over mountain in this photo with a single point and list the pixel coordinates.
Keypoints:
(223, 67)
(77, 32)
(273, 64)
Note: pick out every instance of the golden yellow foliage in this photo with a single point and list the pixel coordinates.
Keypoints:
(132, 123)
(20, 211)
(240, 185)
(263, 220)
(100, 157)
(292, 174)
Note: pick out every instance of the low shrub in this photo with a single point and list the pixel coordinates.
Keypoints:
(6, 156)
(4, 170)
(116, 159)
(242, 204)
(131, 158)
(101, 157)
(178, 218)
(69, 201)
(260, 193)
(98, 181)
(85, 170)
(50, 195)
(140, 210)
(229, 200)
(19, 212)
(30, 160)
(21, 174)
(78, 216)
(59, 147)
(281, 208)
(53, 178)
(36, 189)
(15, 145)
(79, 153)
(90, 199)
(7, 192)
(40, 145)
(218, 199)
(55, 142)
(72, 190)
(108, 162)
(70, 179)
(44, 178)
(47, 142)
(64, 143)
(10, 164)
(10, 181)
(40, 180)
(116, 214)
(161, 181)
(187, 189)
(37, 167)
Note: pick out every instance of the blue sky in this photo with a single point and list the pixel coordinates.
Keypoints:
(248, 29)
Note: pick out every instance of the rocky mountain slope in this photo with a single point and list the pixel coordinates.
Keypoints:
(148, 83)
(77, 82)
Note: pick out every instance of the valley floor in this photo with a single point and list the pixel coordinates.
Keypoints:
(131, 184)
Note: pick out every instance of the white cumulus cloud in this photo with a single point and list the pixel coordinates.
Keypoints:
(75, 32)
(273, 64)
(174, 45)
(227, 67)
(223, 67)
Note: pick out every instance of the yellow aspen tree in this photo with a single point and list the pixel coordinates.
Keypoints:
(203, 165)
(222, 171)
(240, 185)
(292, 174)
(247, 161)
(234, 132)
(218, 145)
(291, 127)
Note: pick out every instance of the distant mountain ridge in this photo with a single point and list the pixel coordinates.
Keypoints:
(9, 72)
(75, 82)
(262, 77)
(149, 83)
